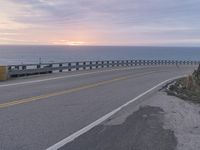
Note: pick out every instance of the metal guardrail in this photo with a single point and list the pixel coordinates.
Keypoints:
(32, 69)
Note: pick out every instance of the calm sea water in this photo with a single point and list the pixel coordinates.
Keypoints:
(33, 54)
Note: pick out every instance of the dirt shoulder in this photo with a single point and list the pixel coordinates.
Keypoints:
(156, 122)
(182, 117)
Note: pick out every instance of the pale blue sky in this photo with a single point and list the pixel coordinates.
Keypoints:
(100, 22)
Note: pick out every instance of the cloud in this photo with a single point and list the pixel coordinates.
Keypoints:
(103, 20)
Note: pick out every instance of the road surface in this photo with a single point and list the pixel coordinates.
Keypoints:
(37, 112)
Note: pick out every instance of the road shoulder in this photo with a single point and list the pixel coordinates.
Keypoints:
(157, 121)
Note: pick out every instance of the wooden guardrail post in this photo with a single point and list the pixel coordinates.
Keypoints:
(102, 64)
(38, 66)
(117, 63)
(127, 63)
(145, 62)
(69, 66)
(113, 63)
(131, 62)
(84, 65)
(135, 62)
(107, 64)
(50, 66)
(97, 64)
(3, 73)
(140, 62)
(77, 66)
(24, 67)
(60, 65)
(90, 65)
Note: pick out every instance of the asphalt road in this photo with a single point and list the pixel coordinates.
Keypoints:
(37, 112)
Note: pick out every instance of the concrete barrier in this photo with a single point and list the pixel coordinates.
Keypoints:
(3, 73)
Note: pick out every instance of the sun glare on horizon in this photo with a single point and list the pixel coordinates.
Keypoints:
(70, 43)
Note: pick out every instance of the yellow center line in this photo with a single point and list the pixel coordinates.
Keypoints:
(53, 94)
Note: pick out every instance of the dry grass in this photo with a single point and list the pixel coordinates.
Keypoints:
(187, 88)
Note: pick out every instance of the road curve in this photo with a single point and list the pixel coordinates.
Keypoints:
(37, 112)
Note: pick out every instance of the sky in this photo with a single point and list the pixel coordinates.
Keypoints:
(100, 22)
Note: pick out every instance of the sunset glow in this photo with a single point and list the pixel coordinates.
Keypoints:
(71, 43)
(92, 22)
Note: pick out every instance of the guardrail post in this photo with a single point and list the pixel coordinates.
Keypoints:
(84, 65)
(127, 63)
(143, 62)
(140, 62)
(131, 62)
(17, 67)
(77, 65)
(38, 66)
(107, 64)
(50, 66)
(117, 63)
(159, 62)
(24, 67)
(9, 68)
(90, 65)
(3, 73)
(60, 65)
(135, 62)
(102, 64)
(69, 67)
(151, 62)
(120, 63)
(97, 64)
(113, 63)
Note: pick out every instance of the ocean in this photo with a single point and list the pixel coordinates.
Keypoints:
(10, 55)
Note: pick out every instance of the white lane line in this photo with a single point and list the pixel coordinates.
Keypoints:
(105, 117)
(68, 76)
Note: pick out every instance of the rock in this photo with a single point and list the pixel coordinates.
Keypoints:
(196, 75)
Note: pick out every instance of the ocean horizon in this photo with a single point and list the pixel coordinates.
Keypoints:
(25, 54)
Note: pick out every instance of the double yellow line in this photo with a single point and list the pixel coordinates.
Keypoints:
(45, 96)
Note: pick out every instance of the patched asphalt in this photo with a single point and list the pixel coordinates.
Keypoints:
(142, 130)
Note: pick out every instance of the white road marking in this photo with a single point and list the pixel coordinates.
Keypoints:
(105, 117)
(68, 76)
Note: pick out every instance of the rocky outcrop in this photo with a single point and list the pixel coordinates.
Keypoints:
(187, 88)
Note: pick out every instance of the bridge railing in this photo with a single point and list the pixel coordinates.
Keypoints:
(43, 68)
